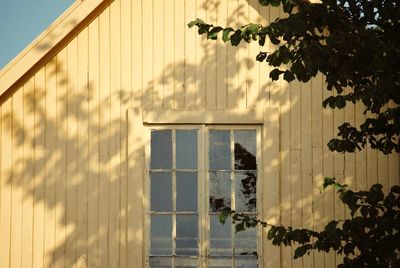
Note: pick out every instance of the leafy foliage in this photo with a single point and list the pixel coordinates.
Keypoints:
(370, 238)
(354, 43)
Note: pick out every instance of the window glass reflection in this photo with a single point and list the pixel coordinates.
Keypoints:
(161, 191)
(161, 149)
(160, 235)
(187, 235)
(186, 149)
(186, 191)
(219, 150)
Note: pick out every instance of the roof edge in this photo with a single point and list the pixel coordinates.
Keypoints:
(46, 42)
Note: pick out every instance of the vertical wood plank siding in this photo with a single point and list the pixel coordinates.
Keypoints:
(66, 195)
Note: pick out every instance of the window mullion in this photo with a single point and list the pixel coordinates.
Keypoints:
(233, 186)
(173, 195)
(203, 211)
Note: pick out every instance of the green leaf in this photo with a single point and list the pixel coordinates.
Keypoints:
(195, 22)
(213, 34)
(300, 251)
(264, 2)
(236, 38)
(288, 76)
(239, 227)
(340, 102)
(274, 74)
(225, 34)
(224, 215)
(275, 3)
(261, 56)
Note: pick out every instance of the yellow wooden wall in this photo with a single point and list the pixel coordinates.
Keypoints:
(65, 200)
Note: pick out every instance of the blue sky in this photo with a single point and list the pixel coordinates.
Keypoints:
(21, 21)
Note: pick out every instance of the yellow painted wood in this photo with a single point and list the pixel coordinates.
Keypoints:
(317, 161)
(232, 60)
(82, 150)
(138, 89)
(190, 56)
(104, 140)
(126, 92)
(93, 145)
(27, 183)
(210, 58)
(295, 160)
(168, 64)
(136, 199)
(72, 154)
(114, 136)
(306, 164)
(148, 53)
(61, 167)
(6, 189)
(271, 185)
(39, 168)
(221, 52)
(253, 78)
(50, 160)
(361, 156)
(158, 54)
(16, 179)
(179, 52)
(74, 184)
(328, 171)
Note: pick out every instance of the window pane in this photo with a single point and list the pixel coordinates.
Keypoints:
(160, 262)
(245, 262)
(219, 150)
(186, 191)
(186, 234)
(246, 242)
(220, 237)
(246, 188)
(161, 149)
(220, 190)
(245, 149)
(186, 149)
(161, 191)
(161, 235)
(219, 263)
(186, 262)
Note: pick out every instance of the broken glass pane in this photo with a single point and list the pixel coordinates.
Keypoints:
(161, 149)
(245, 149)
(186, 235)
(219, 150)
(246, 242)
(246, 189)
(220, 237)
(161, 191)
(220, 190)
(161, 235)
(160, 262)
(186, 149)
(186, 191)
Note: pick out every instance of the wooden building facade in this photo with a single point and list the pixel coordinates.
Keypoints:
(77, 106)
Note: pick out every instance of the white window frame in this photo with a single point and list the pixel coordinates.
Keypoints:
(268, 195)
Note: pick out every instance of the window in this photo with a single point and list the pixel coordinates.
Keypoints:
(195, 172)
